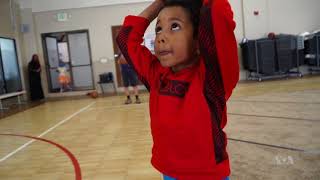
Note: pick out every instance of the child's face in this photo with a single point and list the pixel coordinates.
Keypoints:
(175, 44)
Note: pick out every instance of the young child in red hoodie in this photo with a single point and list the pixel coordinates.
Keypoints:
(190, 78)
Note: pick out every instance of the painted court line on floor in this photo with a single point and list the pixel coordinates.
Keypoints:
(278, 102)
(118, 106)
(76, 165)
(275, 117)
(46, 132)
(268, 145)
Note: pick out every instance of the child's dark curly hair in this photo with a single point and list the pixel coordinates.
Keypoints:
(192, 7)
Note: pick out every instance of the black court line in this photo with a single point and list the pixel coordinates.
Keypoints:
(276, 117)
(279, 102)
(268, 145)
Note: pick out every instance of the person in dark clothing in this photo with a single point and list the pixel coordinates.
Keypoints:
(34, 70)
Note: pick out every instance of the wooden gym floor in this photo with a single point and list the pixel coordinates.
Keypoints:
(273, 131)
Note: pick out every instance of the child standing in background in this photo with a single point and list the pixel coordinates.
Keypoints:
(64, 79)
(190, 78)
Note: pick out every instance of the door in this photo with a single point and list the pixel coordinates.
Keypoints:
(53, 62)
(80, 58)
(71, 50)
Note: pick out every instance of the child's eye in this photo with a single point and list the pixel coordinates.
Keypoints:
(175, 27)
(158, 29)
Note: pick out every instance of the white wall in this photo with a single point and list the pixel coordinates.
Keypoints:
(237, 13)
(255, 26)
(294, 16)
(280, 16)
(6, 29)
(29, 37)
(52, 5)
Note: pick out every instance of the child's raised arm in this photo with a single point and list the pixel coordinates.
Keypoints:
(219, 46)
(130, 39)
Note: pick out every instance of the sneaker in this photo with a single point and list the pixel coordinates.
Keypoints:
(138, 101)
(128, 101)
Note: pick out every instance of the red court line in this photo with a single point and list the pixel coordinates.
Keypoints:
(74, 160)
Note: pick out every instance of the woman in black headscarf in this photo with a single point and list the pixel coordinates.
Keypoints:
(34, 70)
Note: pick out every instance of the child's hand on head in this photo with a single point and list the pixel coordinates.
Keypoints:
(152, 11)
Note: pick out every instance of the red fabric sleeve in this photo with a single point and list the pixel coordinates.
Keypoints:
(138, 56)
(219, 44)
(226, 44)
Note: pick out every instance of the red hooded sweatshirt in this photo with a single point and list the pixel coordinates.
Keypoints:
(188, 108)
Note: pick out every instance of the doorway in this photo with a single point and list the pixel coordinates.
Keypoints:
(70, 50)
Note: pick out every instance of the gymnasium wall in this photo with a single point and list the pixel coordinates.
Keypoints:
(5, 19)
(294, 16)
(284, 16)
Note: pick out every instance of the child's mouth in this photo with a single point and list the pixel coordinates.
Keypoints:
(164, 53)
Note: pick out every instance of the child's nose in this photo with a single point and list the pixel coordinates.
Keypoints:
(161, 39)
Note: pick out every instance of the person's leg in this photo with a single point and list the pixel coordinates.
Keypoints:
(60, 78)
(135, 90)
(61, 87)
(68, 83)
(136, 93)
(69, 87)
(125, 79)
(227, 178)
(134, 83)
(127, 93)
